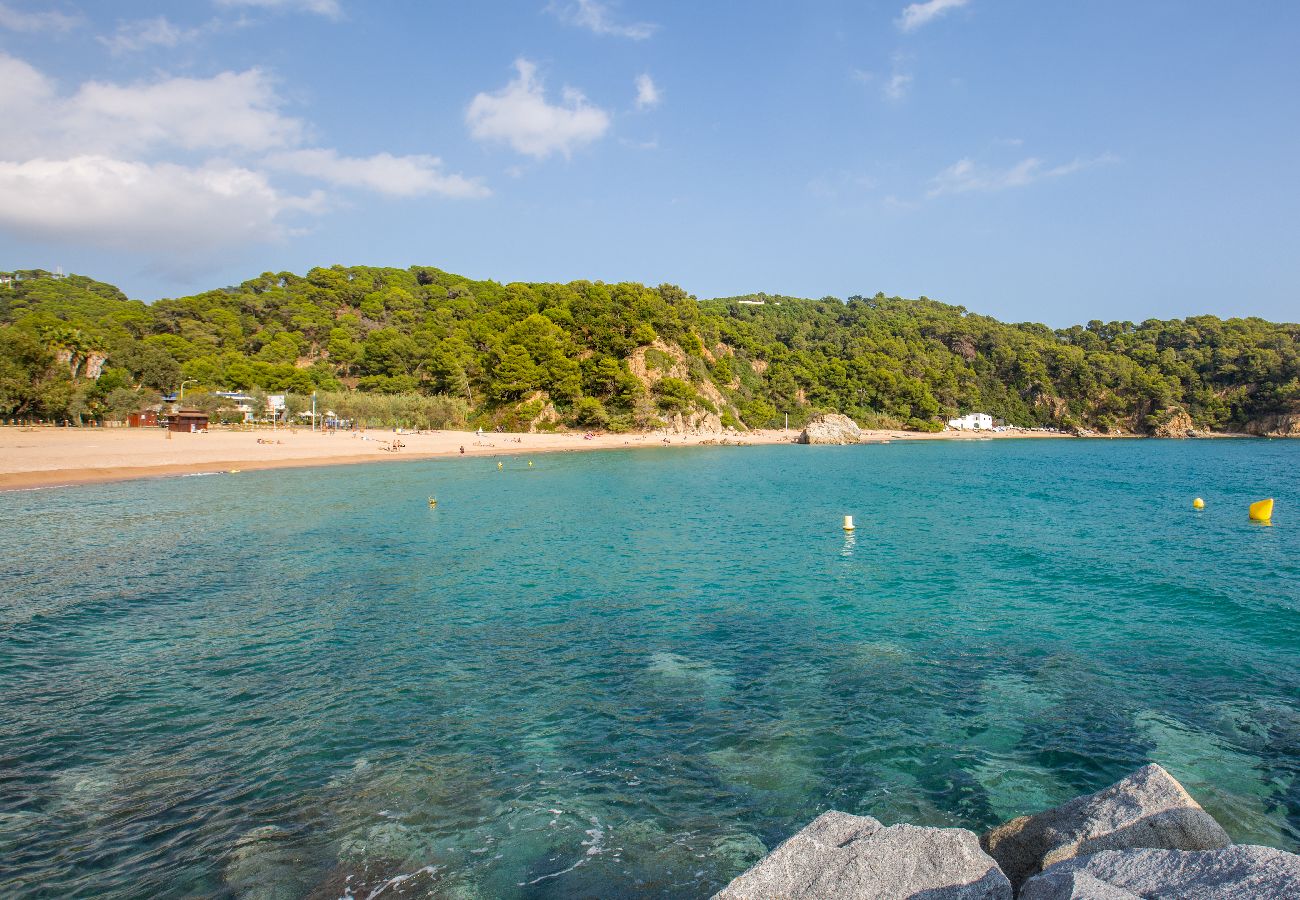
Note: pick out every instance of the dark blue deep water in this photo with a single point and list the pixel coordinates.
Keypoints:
(625, 674)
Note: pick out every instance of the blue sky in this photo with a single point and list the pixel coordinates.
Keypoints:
(1055, 162)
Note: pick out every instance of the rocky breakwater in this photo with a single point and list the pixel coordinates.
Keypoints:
(830, 428)
(1143, 837)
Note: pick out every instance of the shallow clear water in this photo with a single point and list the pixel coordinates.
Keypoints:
(624, 674)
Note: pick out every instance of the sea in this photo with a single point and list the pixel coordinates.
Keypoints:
(629, 673)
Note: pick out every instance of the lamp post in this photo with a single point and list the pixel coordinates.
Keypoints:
(181, 395)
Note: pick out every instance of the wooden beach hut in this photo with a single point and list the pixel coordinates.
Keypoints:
(189, 420)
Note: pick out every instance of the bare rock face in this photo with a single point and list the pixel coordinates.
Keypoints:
(1275, 426)
(1175, 423)
(1148, 809)
(1233, 873)
(846, 857)
(695, 423)
(831, 428)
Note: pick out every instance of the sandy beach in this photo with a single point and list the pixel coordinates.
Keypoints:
(47, 457)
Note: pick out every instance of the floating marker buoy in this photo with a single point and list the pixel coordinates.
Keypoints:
(498, 465)
(432, 503)
(848, 523)
(530, 463)
(1198, 503)
(1261, 510)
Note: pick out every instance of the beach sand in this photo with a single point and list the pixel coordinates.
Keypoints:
(46, 457)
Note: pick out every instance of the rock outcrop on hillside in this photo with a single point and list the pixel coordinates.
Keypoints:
(1175, 423)
(1233, 873)
(1142, 838)
(848, 857)
(831, 428)
(1148, 809)
(695, 423)
(1275, 426)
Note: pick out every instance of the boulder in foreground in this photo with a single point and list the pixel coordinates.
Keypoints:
(1233, 873)
(846, 857)
(831, 428)
(1148, 809)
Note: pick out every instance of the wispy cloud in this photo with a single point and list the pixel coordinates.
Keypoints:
(46, 20)
(648, 95)
(597, 18)
(396, 176)
(966, 176)
(520, 115)
(838, 185)
(916, 15)
(896, 87)
(143, 34)
(330, 9)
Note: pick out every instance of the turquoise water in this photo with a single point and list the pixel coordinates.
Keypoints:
(624, 674)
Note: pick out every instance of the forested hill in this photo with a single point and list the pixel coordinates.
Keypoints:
(448, 350)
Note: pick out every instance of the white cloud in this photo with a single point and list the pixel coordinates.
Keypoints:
(144, 33)
(917, 14)
(49, 20)
(648, 95)
(520, 115)
(330, 9)
(230, 110)
(397, 176)
(965, 176)
(120, 204)
(596, 18)
(897, 86)
(173, 167)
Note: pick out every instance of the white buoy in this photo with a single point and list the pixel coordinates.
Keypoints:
(848, 523)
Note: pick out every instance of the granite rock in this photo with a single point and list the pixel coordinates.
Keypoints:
(845, 857)
(1232, 873)
(831, 428)
(1148, 809)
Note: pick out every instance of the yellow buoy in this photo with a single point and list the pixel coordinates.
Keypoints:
(498, 465)
(1198, 503)
(432, 503)
(848, 523)
(1261, 510)
(530, 463)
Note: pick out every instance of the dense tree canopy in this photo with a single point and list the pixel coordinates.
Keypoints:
(624, 355)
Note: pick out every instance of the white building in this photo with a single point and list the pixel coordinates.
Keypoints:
(972, 422)
(244, 403)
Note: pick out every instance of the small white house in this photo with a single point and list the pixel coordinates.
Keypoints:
(972, 422)
(242, 401)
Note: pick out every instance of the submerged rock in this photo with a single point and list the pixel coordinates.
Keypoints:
(831, 428)
(1233, 873)
(264, 865)
(1148, 809)
(846, 857)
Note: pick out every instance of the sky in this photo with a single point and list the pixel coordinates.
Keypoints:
(1055, 162)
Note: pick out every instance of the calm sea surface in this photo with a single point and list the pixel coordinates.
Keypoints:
(625, 674)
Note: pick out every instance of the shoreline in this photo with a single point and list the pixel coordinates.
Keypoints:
(47, 457)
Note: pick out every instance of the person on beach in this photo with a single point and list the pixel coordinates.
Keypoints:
(462, 449)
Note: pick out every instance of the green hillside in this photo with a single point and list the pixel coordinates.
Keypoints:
(436, 349)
